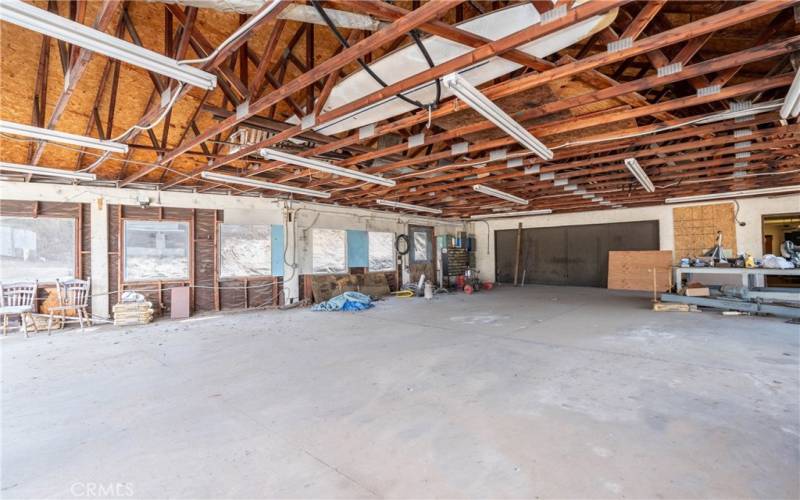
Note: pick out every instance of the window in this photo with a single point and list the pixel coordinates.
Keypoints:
(381, 251)
(328, 254)
(244, 250)
(40, 248)
(156, 250)
(421, 246)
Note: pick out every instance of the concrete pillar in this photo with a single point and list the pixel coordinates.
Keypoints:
(99, 258)
(291, 271)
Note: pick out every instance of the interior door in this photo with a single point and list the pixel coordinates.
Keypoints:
(421, 253)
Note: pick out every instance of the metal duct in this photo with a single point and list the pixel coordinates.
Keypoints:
(295, 12)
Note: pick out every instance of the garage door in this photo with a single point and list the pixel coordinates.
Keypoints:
(569, 255)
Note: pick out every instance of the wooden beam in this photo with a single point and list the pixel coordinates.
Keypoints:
(76, 70)
(398, 28)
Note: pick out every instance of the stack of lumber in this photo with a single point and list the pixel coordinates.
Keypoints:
(133, 313)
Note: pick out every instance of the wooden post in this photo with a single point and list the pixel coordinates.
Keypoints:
(516, 255)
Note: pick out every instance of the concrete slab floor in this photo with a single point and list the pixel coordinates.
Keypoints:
(533, 392)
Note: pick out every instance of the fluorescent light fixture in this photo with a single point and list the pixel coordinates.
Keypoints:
(323, 166)
(483, 105)
(499, 194)
(408, 206)
(741, 112)
(640, 174)
(50, 172)
(46, 134)
(245, 181)
(524, 213)
(791, 103)
(53, 25)
(733, 194)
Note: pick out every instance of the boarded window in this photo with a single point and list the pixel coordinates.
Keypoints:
(381, 251)
(156, 250)
(328, 254)
(244, 250)
(40, 248)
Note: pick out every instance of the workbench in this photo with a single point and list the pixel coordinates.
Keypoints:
(751, 277)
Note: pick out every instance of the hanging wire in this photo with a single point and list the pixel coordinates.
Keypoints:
(365, 66)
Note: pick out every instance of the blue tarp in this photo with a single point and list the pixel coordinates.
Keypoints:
(348, 301)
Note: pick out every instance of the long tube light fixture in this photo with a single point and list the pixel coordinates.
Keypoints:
(49, 172)
(791, 103)
(523, 213)
(734, 194)
(45, 134)
(408, 206)
(245, 181)
(499, 194)
(640, 174)
(55, 26)
(271, 154)
(483, 105)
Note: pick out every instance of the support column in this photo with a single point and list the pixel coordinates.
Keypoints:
(99, 258)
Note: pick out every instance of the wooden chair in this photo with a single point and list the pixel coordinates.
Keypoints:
(72, 295)
(18, 299)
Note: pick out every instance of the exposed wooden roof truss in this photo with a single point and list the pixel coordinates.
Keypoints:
(659, 95)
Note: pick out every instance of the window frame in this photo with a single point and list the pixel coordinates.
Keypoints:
(394, 252)
(220, 277)
(76, 243)
(123, 253)
(429, 237)
(344, 254)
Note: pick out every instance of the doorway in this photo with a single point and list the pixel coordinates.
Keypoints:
(775, 230)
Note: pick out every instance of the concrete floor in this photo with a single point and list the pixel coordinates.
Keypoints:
(534, 392)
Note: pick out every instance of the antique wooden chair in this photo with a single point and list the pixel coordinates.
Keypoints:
(18, 299)
(73, 295)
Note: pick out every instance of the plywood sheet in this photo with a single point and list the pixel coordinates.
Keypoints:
(695, 228)
(634, 270)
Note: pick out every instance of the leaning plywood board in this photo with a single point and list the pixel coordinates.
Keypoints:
(634, 270)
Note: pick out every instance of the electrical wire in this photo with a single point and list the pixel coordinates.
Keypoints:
(236, 34)
(414, 35)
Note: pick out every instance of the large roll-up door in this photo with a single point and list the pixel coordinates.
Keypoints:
(569, 255)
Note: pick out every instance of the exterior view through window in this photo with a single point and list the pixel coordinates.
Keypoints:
(244, 250)
(41, 248)
(156, 250)
(329, 251)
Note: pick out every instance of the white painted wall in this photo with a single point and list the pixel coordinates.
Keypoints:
(748, 237)
(305, 216)
(237, 209)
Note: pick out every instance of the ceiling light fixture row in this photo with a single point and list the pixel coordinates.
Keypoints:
(499, 194)
(48, 135)
(46, 171)
(489, 110)
(408, 206)
(246, 181)
(55, 26)
(322, 166)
